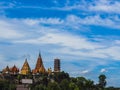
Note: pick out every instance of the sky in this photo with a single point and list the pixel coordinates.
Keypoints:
(84, 34)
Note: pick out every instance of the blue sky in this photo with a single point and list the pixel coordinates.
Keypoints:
(84, 34)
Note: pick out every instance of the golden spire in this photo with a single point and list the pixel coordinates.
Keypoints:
(26, 68)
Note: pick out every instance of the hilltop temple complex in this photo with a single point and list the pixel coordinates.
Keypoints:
(39, 68)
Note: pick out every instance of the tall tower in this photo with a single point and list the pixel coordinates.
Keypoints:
(57, 65)
(39, 68)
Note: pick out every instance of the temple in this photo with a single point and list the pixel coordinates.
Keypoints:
(6, 70)
(13, 70)
(39, 68)
(26, 68)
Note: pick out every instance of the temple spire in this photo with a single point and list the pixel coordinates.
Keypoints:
(26, 68)
(26, 60)
(39, 68)
(39, 54)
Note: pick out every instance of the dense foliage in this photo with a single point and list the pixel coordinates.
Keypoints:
(56, 81)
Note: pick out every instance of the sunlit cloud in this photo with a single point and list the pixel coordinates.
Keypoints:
(71, 44)
(103, 70)
(85, 71)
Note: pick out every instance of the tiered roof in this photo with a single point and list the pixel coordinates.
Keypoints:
(6, 70)
(39, 68)
(12, 70)
(26, 68)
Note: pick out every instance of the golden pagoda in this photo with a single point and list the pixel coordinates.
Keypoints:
(26, 68)
(39, 66)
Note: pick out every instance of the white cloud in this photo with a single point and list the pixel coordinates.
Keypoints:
(94, 20)
(80, 54)
(76, 45)
(85, 71)
(31, 22)
(61, 39)
(113, 52)
(51, 21)
(117, 42)
(21, 31)
(72, 44)
(43, 21)
(7, 30)
(108, 6)
(103, 70)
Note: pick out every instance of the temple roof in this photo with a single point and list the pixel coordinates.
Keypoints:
(39, 68)
(42, 69)
(7, 69)
(14, 69)
(39, 62)
(26, 68)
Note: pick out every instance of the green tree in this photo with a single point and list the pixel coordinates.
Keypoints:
(19, 77)
(4, 85)
(102, 80)
(53, 86)
(12, 87)
(45, 81)
(64, 84)
(74, 80)
(73, 86)
(59, 76)
(39, 87)
(81, 82)
(89, 84)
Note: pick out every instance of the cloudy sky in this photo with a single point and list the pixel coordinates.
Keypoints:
(84, 34)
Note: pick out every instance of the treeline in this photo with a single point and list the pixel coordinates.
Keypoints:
(62, 81)
(56, 81)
